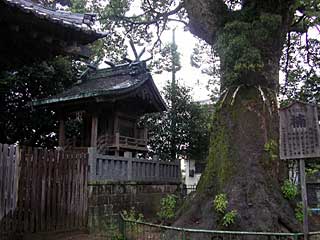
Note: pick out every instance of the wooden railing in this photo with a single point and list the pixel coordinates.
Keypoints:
(117, 141)
(113, 168)
(128, 141)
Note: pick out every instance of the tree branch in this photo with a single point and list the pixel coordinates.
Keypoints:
(134, 20)
(206, 18)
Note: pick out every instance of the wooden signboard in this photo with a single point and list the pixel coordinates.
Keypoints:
(300, 139)
(299, 131)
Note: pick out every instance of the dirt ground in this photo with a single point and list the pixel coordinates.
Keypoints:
(65, 236)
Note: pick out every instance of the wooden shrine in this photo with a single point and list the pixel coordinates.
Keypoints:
(31, 32)
(109, 103)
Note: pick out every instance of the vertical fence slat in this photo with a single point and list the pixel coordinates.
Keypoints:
(2, 210)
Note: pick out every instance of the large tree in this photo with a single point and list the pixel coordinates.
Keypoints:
(249, 40)
(249, 37)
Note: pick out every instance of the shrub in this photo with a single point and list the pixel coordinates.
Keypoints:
(220, 203)
(289, 190)
(271, 147)
(167, 207)
(132, 215)
(299, 212)
(229, 218)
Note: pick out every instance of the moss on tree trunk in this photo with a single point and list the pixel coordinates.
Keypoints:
(240, 167)
(249, 43)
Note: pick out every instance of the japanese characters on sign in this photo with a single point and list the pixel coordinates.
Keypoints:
(299, 131)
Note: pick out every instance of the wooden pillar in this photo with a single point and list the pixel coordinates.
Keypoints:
(94, 130)
(304, 199)
(145, 133)
(116, 123)
(62, 136)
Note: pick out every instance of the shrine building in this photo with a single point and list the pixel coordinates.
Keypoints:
(109, 103)
(31, 32)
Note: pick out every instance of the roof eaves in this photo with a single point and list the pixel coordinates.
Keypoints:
(299, 102)
(86, 95)
(163, 106)
(66, 19)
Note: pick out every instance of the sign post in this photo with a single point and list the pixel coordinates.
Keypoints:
(304, 198)
(300, 139)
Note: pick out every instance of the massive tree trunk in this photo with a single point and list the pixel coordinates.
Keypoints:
(249, 42)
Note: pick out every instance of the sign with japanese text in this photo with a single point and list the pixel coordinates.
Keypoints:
(299, 131)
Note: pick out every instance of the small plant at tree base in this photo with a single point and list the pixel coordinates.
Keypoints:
(271, 147)
(167, 207)
(289, 190)
(229, 218)
(220, 203)
(299, 212)
(132, 215)
(117, 236)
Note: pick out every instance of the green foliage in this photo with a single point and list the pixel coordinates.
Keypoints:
(220, 203)
(199, 131)
(183, 130)
(289, 190)
(229, 218)
(166, 56)
(19, 121)
(132, 215)
(301, 66)
(272, 148)
(167, 208)
(117, 236)
(239, 46)
(312, 168)
(299, 212)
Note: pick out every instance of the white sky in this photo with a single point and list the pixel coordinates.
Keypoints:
(188, 75)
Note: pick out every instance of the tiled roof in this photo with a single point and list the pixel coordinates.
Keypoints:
(81, 22)
(108, 82)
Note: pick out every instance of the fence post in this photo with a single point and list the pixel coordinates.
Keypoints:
(129, 169)
(183, 235)
(92, 161)
(17, 175)
(179, 174)
(122, 226)
(157, 171)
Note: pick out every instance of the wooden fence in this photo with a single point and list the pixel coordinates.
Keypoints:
(112, 168)
(9, 171)
(52, 192)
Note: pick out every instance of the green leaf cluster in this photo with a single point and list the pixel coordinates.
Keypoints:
(271, 147)
(167, 208)
(132, 215)
(220, 204)
(299, 212)
(240, 45)
(19, 122)
(229, 218)
(181, 131)
(289, 190)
